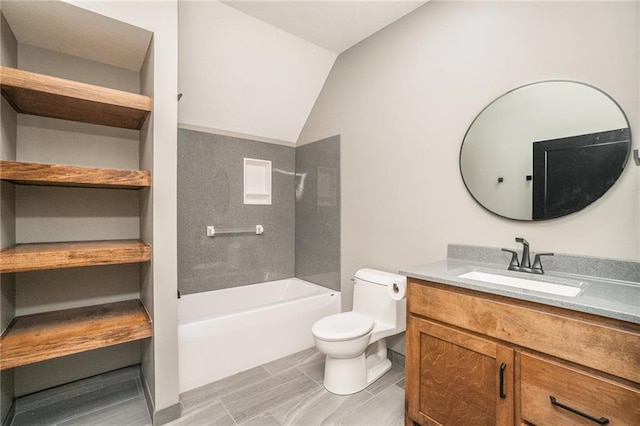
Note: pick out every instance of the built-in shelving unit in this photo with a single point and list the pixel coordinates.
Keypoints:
(37, 94)
(38, 337)
(39, 256)
(62, 175)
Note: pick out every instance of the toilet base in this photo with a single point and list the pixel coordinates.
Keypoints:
(345, 376)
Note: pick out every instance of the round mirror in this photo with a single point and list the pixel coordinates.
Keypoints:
(545, 150)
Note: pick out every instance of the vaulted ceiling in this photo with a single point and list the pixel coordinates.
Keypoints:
(256, 68)
(334, 25)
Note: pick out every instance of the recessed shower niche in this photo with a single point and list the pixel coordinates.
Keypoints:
(257, 181)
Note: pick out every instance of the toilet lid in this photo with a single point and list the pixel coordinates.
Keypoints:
(344, 326)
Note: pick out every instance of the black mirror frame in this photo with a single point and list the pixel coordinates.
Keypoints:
(626, 160)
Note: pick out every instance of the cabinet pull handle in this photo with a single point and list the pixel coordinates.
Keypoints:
(503, 366)
(600, 421)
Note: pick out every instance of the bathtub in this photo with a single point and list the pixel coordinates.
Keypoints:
(223, 332)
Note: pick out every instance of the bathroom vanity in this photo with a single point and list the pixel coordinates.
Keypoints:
(492, 340)
(484, 354)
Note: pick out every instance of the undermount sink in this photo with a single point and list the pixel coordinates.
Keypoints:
(523, 283)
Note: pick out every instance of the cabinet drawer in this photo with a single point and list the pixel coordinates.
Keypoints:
(603, 344)
(594, 396)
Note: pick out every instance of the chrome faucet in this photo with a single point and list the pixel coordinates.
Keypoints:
(525, 264)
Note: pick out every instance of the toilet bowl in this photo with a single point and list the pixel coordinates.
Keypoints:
(354, 342)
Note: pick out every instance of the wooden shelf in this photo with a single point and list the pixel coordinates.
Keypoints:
(61, 175)
(38, 337)
(39, 256)
(37, 94)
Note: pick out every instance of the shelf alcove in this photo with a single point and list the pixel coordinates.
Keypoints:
(47, 335)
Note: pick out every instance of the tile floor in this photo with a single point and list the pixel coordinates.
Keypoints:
(287, 391)
(114, 398)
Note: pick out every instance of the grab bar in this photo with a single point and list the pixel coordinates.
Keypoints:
(212, 231)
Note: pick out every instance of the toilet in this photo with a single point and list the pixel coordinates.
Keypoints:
(354, 342)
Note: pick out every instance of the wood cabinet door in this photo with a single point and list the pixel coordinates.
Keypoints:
(456, 378)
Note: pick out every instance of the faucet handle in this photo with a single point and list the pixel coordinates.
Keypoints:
(513, 264)
(537, 264)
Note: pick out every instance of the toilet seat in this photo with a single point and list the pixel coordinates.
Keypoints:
(344, 326)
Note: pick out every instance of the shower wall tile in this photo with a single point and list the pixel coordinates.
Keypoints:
(210, 192)
(317, 232)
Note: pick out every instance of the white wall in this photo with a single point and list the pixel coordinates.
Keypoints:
(63, 65)
(403, 99)
(241, 75)
(146, 220)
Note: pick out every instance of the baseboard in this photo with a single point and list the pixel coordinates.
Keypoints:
(163, 416)
(396, 358)
(10, 415)
(147, 393)
(167, 415)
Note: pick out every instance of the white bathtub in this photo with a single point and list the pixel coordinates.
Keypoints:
(223, 332)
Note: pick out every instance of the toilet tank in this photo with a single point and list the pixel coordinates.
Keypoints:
(371, 297)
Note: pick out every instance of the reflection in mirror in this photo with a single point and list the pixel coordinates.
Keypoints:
(545, 150)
